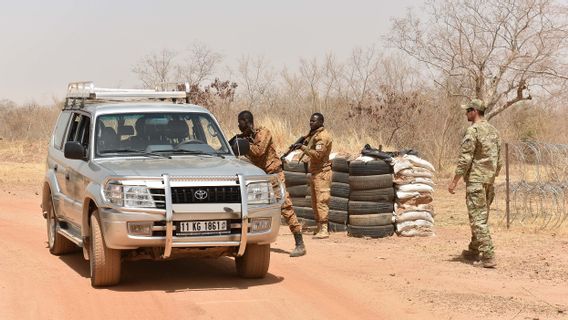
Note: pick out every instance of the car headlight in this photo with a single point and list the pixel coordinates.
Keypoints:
(260, 193)
(128, 196)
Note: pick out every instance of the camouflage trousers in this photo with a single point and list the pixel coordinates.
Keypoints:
(321, 189)
(479, 197)
(287, 211)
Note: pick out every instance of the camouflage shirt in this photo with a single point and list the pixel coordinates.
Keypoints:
(480, 159)
(318, 148)
(263, 153)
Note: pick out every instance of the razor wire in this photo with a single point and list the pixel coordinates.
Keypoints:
(538, 185)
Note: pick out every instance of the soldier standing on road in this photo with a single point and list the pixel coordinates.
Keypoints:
(479, 163)
(263, 155)
(317, 146)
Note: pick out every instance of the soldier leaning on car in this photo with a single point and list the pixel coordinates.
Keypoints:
(479, 163)
(263, 155)
(317, 146)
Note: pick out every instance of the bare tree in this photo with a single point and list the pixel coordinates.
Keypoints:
(156, 68)
(361, 70)
(495, 50)
(256, 77)
(199, 65)
(310, 72)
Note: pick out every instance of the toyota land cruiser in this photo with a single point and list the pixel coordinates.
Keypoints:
(143, 174)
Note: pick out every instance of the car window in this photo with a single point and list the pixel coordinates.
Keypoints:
(79, 130)
(117, 134)
(60, 128)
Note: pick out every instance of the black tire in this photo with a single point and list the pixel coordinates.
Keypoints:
(295, 166)
(302, 202)
(305, 222)
(57, 243)
(337, 227)
(342, 177)
(369, 168)
(340, 190)
(295, 179)
(337, 216)
(336, 203)
(302, 212)
(255, 262)
(375, 195)
(104, 262)
(373, 232)
(370, 182)
(298, 191)
(366, 207)
(377, 219)
(340, 164)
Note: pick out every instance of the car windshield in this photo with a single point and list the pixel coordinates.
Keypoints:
(158, 133)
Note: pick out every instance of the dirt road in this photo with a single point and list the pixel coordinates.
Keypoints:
(340, 278)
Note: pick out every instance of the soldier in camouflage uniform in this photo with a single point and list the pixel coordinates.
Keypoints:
(263, 155)
(479, 163)
(317, 146)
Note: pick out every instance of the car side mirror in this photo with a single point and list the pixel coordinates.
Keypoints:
(240, 146)
(74, 150)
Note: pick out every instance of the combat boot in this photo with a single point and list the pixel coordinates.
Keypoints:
(317, 229)
(323, 233)
(486, 263)
(300, 248)
(470, 255)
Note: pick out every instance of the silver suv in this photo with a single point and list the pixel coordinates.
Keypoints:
(135, 174)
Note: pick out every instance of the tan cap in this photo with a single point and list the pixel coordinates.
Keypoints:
(475, 104)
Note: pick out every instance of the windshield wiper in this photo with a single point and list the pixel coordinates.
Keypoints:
(135, 151)
(194, 152)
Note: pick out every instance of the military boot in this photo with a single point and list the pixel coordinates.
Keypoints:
(486, 263)
(323, 233)
(300, 248)
(470, 255)
(317, 229)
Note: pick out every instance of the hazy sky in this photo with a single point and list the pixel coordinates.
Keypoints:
(46, 44)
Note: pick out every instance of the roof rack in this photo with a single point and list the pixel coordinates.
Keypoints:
(87, 90)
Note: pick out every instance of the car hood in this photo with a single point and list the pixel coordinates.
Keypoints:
(180, 166)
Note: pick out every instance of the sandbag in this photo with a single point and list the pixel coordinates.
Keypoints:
(400, 208)
(414, 215)
(416, 172)
(406, 225)
(406, 195)
(421, 198)
(419, 162)
(415, 187)
(417, 232)
(400, 164)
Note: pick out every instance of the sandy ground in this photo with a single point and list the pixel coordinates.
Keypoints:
(340, 278)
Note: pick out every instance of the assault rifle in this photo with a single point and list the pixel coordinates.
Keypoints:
(293, 147)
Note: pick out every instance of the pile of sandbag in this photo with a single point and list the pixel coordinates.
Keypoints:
(339, 191)
(371, 200)
(414, 189)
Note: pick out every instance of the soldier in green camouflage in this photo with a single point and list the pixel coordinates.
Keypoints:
(479, 163)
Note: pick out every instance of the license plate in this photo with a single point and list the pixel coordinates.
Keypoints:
(202, 227)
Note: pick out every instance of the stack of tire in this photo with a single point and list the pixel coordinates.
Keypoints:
(297, 185)
(414, 190)
(371, 200)
(338, 203)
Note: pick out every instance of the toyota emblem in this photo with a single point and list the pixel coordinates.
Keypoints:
(200, 194)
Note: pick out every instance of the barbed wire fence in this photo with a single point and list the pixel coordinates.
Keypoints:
(537, 191)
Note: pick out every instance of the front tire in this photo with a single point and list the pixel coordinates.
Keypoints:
(58, 244)
(254, 263)
(104, 262)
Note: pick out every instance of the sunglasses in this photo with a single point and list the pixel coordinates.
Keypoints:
(468, 110)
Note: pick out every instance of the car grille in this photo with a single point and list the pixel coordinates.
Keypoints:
(224, 194)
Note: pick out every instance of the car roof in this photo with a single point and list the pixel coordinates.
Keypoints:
(141, 107)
